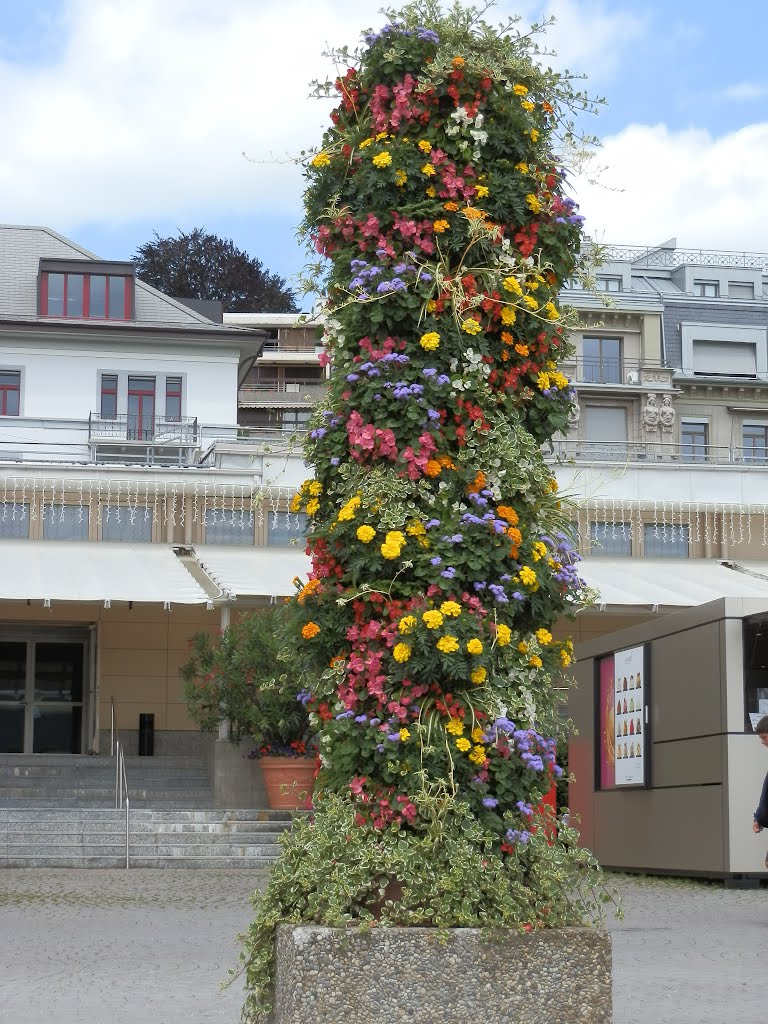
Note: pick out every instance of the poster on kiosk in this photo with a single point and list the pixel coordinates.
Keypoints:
(630, 688)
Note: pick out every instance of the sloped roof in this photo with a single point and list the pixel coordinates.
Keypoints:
(22, 248)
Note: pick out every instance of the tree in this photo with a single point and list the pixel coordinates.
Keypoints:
(199, 265)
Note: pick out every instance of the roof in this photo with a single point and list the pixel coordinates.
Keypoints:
(22, 248)
(79, 571)
(656, 583)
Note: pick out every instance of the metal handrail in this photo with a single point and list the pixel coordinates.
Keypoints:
(117, 751)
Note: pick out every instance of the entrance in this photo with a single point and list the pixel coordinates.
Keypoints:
(42, 685)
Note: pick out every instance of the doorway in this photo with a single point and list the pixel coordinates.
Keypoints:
(43, 682)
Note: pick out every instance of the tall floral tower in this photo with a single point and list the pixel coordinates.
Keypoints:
(439, 561)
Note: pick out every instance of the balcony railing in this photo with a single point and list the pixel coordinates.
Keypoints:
(144, 429)
(652, 452)
(607, 370)
(642, 256)
(283, 393)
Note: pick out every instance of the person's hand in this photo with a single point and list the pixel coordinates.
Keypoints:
(756, 827)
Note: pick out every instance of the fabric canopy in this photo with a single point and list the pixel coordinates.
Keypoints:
(253, 572)
(670, 582)
(78, 571)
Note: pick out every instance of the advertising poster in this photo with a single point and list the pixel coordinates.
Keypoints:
(607, 724)
(629, 711)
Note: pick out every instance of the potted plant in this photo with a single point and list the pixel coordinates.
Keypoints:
(235, 678)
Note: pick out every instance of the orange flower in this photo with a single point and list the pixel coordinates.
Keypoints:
(433, 468)
(307, 590)
(472, 214)
(451, 207)
(547, 107)
(507, 338)
(337, 661)
(478, 483)
(514, 535)
(311, 629)
(440, 226)
(508, 513)
(458, 62)
(446, 462)
(522, 350)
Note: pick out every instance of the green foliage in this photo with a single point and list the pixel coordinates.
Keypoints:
(236, 677)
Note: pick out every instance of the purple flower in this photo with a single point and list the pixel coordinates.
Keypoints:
(433, 414)
(361, 718)
(352, 377)
(429, 371)
(432, 523)
(437, 560)
(524, 808)
(345, 714)
(448, 573)
(443, 379)
(490, 801)
(394, 736)
(335, 460)
(380, 747)
(304, 696)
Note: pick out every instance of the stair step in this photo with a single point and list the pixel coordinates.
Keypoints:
(256, 864)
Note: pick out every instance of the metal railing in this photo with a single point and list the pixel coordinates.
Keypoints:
(608, 450)
(122, 798)
(608, 370)
(144, 429)
(647, 256)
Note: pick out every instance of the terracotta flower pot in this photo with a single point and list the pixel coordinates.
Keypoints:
(289, 782)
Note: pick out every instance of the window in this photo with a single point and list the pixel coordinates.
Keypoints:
(130, 525)
(86, 296)
(694, 438)
(601, 360)
(741, 290)
(295, 419)
(10, 392)
(662, 540)
(14, 520)
(65, 522)
(724, 359)
(141, 408)
(229, 526)
(754, 439)
(109, 396)
(609, 284)
(286, 529)
(605, 431)
(173, 398)
(706, 289)
(609, 540)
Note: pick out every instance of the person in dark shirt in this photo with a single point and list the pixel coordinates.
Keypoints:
(760, 818)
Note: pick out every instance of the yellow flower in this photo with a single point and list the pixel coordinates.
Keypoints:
(365, 534)
(522, 647)
(511, 284)
(451, 608)
(440, 226)
(535, 661)
(551, 310)
(404, 735)
(455, 727)
(478, 755)
(522, 167)
(406, 624)
(477, 734)
(347, 511)
(431, 305)
(503, 635)
(431, 191)
(543, 636)
(565, 659)
(542, 381)
(527, 105)
(432, 619)
(538, 550)
(393, 544)
(415, 528)
(382, 160)
(463, 744)
(475, 646)
(533, 203)
(424, 145)
(534, 133)
(527, 576)
(365, 143)
(312, 506)
(400, 177)
(429, 170)
(315, 488)
(560, 380)
(478, 676)
(380, 136)
(447, 644)
(309, 630)
(520, 90)
(530, 302)
(430, 341)
(401, 653)
(508, 316)
(471, 326)
(482, 191)
(296, 502)
(321, 160)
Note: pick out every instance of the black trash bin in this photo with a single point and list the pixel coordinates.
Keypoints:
(146, 735)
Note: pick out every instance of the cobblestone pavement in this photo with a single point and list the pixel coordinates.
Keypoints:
(152, 947)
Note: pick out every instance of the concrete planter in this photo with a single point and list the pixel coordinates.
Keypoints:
(327, 975)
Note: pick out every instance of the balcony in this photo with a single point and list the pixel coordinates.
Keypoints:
(617, 372)
(654, 452)
(143, 430)
(277, 393)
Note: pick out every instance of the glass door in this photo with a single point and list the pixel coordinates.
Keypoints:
(141, 408)
(41, 695)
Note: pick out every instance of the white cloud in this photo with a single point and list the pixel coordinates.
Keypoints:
(745, 91)
(147, 107)
(708, 192)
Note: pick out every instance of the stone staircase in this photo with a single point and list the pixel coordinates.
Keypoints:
(58, 810)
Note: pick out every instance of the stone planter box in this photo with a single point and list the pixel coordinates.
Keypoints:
(327, 975)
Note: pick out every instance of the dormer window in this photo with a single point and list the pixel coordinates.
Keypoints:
(609, 284)
(86, 290)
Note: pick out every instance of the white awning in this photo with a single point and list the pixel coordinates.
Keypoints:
(78, 571)
(669, 582)
(253, 572)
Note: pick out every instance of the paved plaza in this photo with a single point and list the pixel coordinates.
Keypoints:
(152, 947)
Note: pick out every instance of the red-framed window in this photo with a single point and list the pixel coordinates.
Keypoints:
(10, 392)
(141, 408)
(173, 398)
(86, 296)
(108, 407)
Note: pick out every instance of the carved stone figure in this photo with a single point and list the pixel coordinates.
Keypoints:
(574, 415)
(667, 415)
(651, 416)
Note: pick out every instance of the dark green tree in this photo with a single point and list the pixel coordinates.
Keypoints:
(200, 265)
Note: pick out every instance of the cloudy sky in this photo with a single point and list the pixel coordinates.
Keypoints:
(121, 117)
